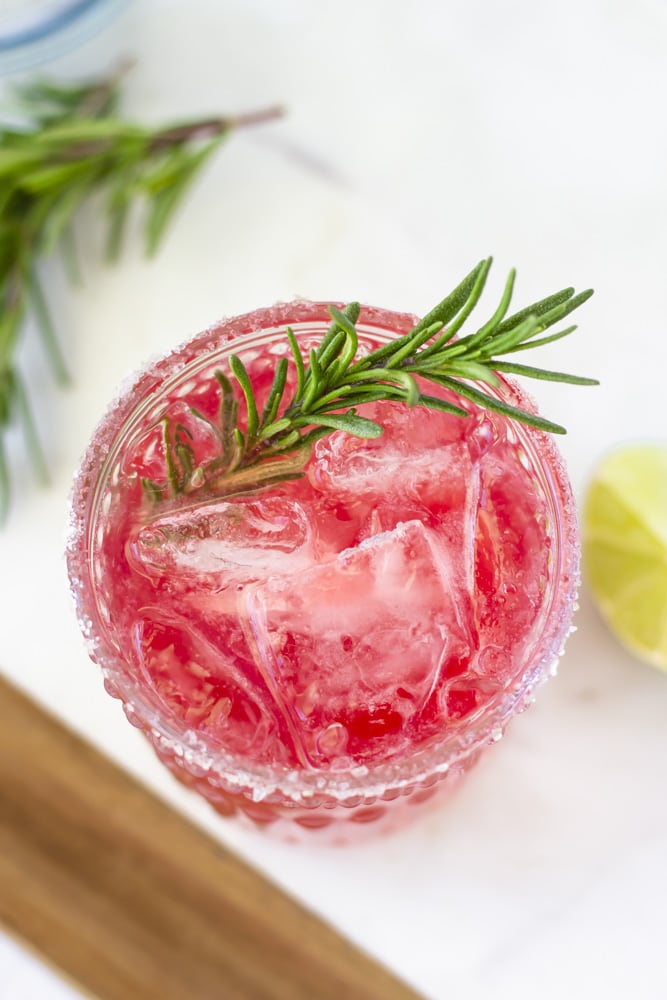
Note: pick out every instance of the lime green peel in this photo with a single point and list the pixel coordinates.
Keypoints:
(625, 548)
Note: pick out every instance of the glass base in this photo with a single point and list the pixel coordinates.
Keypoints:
(327, 825)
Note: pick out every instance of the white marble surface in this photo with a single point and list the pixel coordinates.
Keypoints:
(25, 977)
(419, 138)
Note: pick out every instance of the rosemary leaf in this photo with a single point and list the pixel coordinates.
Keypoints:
(298, 364)
(541, 373)
(351, 315)
(349, 422)
(60, 214)
(47, 330)
(24, 412)
(167, 199)
(464, 312)
(536, 309)
(498, 406)
(241, 375)
(541, 340)
(454, 302)
(275, 394)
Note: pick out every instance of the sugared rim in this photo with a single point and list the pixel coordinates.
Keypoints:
(308, 787)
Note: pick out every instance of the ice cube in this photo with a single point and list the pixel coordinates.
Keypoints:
(354, 650)
(416, 458)
(215, 545)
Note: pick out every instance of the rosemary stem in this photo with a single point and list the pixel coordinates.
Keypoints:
(209, 128)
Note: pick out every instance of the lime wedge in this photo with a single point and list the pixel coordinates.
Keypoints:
(625, 547)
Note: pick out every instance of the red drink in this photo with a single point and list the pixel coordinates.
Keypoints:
(328, 647)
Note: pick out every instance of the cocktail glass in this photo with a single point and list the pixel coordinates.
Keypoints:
(331, 653)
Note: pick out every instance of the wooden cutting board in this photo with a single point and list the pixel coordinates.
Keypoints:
(132, 902)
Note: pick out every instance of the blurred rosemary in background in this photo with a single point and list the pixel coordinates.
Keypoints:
(64, 143)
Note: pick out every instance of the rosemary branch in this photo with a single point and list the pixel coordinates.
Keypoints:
(65, 144)
(275, 444)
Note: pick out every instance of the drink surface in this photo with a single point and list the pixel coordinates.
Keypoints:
(377, 606)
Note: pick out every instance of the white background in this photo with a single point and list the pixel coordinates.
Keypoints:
(418, 139)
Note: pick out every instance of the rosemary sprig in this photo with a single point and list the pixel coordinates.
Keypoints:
(64, 144)
(336, 381)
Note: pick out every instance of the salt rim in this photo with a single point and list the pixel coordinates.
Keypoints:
(300, 787)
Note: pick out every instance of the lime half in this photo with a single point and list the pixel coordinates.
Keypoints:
(625, 547)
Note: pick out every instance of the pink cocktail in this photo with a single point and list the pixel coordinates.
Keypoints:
(335, 648)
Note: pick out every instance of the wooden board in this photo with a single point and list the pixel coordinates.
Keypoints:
(132, 902)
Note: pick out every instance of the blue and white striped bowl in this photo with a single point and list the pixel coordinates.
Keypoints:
(34, 31)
